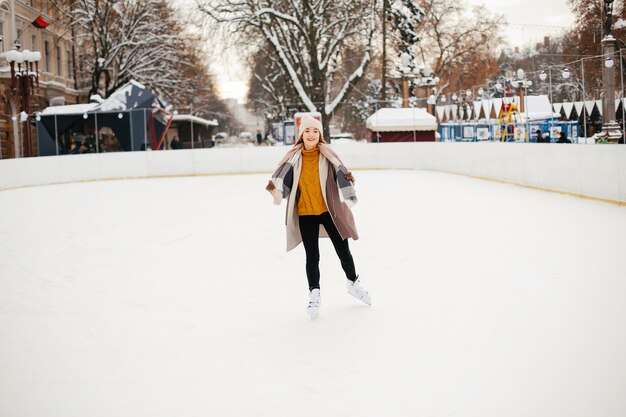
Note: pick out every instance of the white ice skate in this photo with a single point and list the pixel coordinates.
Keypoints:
(358, 291)
(314, 303)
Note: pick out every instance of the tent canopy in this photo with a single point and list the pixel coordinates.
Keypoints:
(194, 119)
(401, 120)
(132, 96)
(131, 112)
(538, 107)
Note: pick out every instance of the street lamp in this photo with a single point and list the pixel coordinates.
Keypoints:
(23, 81)
(610, 129)
(423, 77)
(566, 74)
(522, 84)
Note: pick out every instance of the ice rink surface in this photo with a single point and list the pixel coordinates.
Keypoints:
(175, 297)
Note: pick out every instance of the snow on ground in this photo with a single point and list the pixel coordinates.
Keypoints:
(174, 297)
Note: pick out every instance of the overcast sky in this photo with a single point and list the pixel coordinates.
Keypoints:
(528, 22)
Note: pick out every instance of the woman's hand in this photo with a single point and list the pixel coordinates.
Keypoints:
(270, 186)
(349, 177)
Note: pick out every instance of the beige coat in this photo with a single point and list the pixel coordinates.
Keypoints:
(339, 211)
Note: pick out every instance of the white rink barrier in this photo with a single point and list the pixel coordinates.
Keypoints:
(597, 171)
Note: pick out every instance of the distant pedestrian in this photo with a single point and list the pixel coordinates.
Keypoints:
(259, 137)
(539, 136)
(563, 138)
(175, 143)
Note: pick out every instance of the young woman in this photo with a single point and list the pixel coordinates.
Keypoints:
(319, 192)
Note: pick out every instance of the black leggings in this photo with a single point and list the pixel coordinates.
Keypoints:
(310, 230)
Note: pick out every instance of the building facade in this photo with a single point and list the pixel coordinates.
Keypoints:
(57, 79)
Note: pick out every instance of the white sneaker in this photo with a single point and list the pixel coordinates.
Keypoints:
(314, 303)
(358, 291)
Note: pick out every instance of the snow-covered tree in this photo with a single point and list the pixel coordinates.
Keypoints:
(406, 16)
(312, 41)
(457, 39)
(586, 36)
(270, 91)
(122, 40)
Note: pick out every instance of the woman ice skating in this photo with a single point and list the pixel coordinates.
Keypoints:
(319, 192)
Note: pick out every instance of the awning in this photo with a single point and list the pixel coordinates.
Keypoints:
(401, 120)
(194, 119)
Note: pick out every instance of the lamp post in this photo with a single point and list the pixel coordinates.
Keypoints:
(610, 129)
(23, 82)
(522, 83)
(424, 78)
(543, 76)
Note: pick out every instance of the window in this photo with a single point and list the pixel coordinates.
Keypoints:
(33, 43)
(68, 55)
(58, 52)
(46, 52)
(2, 36)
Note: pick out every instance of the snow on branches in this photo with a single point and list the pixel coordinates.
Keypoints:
(127, 39)
(323, 47)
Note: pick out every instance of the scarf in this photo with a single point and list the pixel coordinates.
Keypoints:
(283, 176)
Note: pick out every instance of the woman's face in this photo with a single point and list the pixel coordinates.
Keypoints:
(310, 137)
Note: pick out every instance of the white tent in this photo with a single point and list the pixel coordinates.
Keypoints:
(401, 120)
(537, 107)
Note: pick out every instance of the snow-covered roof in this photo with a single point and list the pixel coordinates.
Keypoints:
(401, 120)
(537, 107)
(129, 97)
(69, 109)
(194, 119)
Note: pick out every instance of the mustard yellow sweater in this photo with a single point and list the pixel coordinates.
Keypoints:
(311, 202)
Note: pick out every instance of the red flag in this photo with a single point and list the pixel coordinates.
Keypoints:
(40, 23)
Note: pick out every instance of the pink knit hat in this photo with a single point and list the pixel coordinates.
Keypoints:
(309, 121)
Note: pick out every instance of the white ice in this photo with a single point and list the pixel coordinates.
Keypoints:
(175, 297)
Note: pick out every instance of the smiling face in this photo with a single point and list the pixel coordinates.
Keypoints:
(310, 137)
